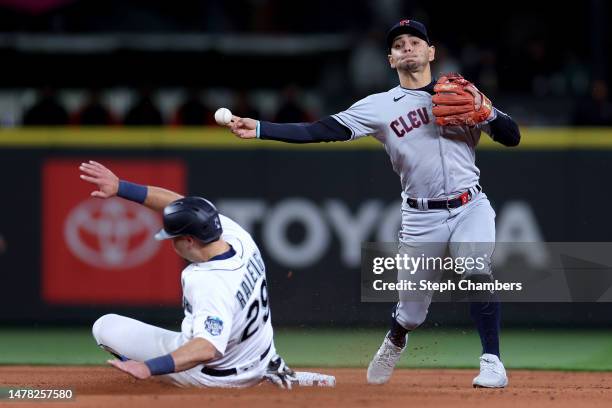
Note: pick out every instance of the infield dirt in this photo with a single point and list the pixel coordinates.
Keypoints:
(106, 387)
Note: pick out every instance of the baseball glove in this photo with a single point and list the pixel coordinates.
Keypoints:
(457, 102)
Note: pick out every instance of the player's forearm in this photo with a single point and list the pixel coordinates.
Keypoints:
(192, 353)
(189, 355)
(158, 198)
(325, 130)
(505, 130)
(155, 198)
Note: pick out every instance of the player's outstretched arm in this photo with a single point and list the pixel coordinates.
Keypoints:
(194, 352)
(158, 198)
(109, 185)
(324, 130)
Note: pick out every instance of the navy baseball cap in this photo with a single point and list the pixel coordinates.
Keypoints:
(413, 27)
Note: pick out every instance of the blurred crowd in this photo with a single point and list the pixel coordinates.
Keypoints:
(539, 70)
(192, 109)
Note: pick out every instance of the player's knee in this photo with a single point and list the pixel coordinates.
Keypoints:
(411, 322)
(101, 327)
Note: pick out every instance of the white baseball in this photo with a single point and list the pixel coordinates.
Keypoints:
(223, 116)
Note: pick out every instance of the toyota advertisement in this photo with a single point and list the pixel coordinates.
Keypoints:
(74, 256)
(103, 251)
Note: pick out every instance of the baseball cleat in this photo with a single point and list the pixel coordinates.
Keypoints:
(492, 373)
(382, 365)
(308, 379)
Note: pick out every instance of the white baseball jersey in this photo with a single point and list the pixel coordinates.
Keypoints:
(226, 302)
(432, 161)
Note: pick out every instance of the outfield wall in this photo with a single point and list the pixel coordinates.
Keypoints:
(308, 206)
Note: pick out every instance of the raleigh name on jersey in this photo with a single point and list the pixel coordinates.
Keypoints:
(432, 161)
(226, 301)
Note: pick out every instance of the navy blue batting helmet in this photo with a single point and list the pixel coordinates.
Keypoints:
(193, 216)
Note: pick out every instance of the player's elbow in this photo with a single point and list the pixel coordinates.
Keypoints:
(509, 136)
(505, 130)
(205, 350)
(515, 135)
(515, 139)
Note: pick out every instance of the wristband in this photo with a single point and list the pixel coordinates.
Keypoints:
(132, 191)
(161, 365)
(257, 130)
(492, 116)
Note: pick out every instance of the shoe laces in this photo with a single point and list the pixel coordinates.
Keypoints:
(388, 355)
(487, 364)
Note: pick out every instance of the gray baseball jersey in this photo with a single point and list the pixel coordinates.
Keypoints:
(432, 161)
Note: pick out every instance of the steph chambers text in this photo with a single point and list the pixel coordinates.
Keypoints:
(445, 286)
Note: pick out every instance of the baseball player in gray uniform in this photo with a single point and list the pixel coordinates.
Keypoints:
(226, 337)
(443, 204)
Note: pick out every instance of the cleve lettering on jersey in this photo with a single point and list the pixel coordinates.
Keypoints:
(416, 118)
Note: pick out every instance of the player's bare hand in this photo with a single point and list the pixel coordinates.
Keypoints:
(134, 368)
(103, 178)
(244, 128)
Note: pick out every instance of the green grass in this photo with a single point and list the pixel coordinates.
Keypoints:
(428, 348)
(458, 348)
(49, 346)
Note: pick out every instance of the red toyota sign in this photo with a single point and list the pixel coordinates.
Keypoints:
(102, 251)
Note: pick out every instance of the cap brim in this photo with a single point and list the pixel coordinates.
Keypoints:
(405, 30)
(162, 235)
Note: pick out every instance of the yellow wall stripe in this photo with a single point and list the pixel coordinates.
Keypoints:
(220, 138)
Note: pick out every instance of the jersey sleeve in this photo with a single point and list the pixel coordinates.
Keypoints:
(212, 314)
(230, 226)
(502, 128)
(486, 125)
(361, 118)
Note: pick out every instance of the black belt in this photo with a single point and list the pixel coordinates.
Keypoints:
(230, 371)
(454, 202)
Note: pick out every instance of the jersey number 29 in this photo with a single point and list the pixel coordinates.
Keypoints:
(253, 312)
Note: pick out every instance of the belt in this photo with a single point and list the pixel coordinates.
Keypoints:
(232, 371)
(455, 202)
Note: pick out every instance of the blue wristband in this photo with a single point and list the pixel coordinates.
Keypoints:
(161, 365)
(257, 130)
(132, 191)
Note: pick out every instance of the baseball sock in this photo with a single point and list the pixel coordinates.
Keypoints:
(487, 316)
(397, 334)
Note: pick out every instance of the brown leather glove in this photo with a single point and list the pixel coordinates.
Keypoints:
(457, 102)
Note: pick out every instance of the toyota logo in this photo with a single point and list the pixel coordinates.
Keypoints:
(112, 233)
